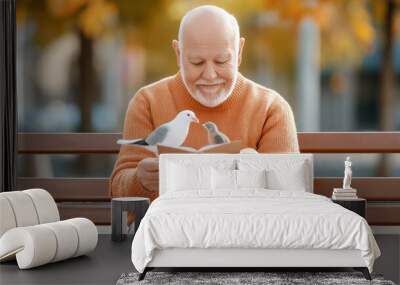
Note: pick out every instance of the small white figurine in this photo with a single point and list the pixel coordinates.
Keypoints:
(347, 174)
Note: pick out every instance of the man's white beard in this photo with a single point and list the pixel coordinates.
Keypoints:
(219, 99)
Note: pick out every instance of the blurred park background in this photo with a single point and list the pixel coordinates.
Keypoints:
(79, 62)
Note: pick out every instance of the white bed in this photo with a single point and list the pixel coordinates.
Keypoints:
(203, 220)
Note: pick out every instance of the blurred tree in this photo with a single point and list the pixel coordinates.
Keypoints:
(347, 33)
(386, 120)
(387, 87)
(89, 19)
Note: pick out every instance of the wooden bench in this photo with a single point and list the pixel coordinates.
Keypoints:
(382, 193)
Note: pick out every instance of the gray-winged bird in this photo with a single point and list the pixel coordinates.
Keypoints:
(215, 136)
(172, 133)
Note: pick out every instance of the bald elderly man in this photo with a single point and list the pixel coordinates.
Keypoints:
(208, 52)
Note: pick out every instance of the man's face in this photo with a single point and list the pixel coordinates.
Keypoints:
(209, 72)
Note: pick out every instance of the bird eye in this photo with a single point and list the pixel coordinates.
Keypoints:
(188, 115)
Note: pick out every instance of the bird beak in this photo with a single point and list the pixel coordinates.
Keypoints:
(194, 119)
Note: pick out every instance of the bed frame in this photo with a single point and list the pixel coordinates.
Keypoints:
(245, 258)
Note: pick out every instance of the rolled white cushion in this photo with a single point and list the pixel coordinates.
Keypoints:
(87, 235)
(46, 207)
(23, 208)
(7, 218)
(67, 240)
(40, 244)
(33, 246)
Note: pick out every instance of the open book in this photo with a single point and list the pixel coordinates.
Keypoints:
(231, 147)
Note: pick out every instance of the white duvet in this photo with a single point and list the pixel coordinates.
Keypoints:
(252, 218)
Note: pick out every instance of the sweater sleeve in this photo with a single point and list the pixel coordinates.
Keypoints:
(138, 124)
(279, 134)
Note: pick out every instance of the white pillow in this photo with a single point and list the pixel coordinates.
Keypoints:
(191, 177)
(293, 179)
(282, 174)
(224, 179)
(251, 178)
(229, 179)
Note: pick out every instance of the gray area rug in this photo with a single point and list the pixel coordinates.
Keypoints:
(228, 278)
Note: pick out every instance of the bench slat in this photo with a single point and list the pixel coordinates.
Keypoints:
(96, 189)
(68, 143)
(69, 189)
(370, 188)
(99, 216)
(321, 142)
(376, 215)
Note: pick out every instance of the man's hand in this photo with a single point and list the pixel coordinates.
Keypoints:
(147, 173)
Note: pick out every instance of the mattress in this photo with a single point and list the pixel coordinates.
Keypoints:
(250, 219)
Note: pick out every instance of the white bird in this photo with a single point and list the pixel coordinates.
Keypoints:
(215, 136)
(172, 133)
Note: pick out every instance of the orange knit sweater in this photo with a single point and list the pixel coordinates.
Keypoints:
(256, 115)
